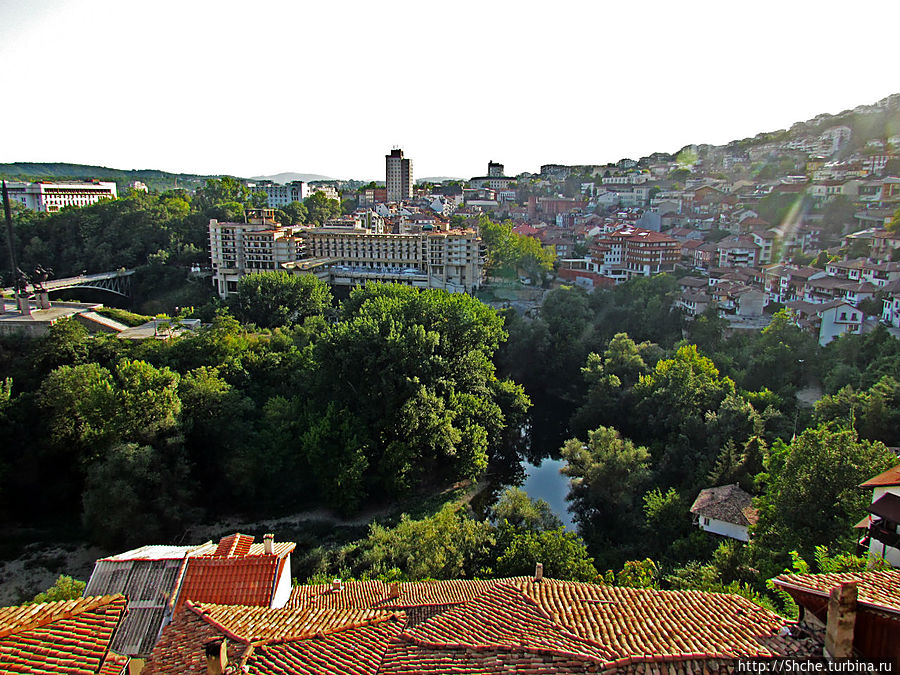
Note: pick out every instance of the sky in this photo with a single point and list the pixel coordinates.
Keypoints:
(251, 89)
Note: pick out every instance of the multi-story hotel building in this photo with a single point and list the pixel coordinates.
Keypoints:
(634, 252)
(448, 259)
(281, 195)
(51, 197)
(398, 176)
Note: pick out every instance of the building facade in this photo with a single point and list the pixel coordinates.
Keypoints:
(281, 195)
(51, 197)
(447, 259)
(398, 176)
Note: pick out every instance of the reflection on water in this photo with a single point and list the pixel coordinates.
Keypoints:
(544, 481)
(536, 469)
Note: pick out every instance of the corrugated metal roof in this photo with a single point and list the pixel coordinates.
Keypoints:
(149, 585)
(162, 552)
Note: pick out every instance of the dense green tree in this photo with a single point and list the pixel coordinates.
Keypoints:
(562, 554)
(811, 495)
(319, 208)
(875, 413)
(137, 484)
(447, 545)
(277, 298)
(609, 474)
(514, 507)
(65, 588)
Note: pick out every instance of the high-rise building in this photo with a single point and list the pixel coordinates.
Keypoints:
(398, 176)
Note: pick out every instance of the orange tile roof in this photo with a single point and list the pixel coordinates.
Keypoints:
(352, 652)
(248, 580)
(888, 478)
(69, 637)
(645, 623)
(878, 590)
(235, 544)
(499, 626)
(263, 624)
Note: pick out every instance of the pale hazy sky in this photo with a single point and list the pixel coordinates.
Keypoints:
(329, 87)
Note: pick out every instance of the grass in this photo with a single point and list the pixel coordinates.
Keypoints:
(130, 319)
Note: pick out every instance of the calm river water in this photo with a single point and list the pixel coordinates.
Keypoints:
(538, 474)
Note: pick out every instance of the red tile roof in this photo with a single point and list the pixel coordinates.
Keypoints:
(888, 478)
(878, 590)
(235, 544)
(248, 580)
(499, 626)
(69, 637)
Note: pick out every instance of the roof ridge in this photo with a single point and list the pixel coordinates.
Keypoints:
(43, 613)
(205, 616)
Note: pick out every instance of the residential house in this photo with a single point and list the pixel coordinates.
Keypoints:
(890, 313)
(827, 320)
(861, 611)
(736, 251)
(491, 627)
(68, 637)
(884, 245)
(158, 579)
(725, 510)
(882, 525)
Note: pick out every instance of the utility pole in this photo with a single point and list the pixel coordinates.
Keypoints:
(9, 243)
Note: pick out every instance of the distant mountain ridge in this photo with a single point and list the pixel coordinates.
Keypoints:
(153, 178)
(288, 176)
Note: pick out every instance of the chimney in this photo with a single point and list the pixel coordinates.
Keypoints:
(841, 620)
(216, 657)
(538, 571)
(394, 590)
(337, 585)
(269, 543)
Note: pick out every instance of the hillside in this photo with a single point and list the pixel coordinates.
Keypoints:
(155, 179)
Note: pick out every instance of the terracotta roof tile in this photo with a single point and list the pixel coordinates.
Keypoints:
(460, 627)
(69, 637)
(352, 652)
(235, 544)
(886, 479)
(248, 580)
(646, 623)
(503, 617)
(879, 590)
(263, 624)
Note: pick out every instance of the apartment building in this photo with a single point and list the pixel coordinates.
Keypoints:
(451, 259)
(634, 252)
(281, 195)
(51, 197)
(398, 176)
(238, 249)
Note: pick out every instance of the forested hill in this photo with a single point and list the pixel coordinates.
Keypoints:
(153, 178)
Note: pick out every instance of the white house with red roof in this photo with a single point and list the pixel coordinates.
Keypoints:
(883, 522)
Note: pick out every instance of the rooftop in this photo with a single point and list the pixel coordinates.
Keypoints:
(70, 637)
(728, 503)
(467, 626)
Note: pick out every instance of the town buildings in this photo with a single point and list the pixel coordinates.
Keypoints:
(398, 176)
(51, 197)
(346, 253)
(281, 195)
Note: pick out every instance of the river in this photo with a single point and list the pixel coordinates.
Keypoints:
(538, 472)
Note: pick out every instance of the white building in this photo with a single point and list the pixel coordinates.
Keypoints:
(345, 254)
(883, 525)
(51, 197)
(726, 510)
(281, 195)
(398, 176)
